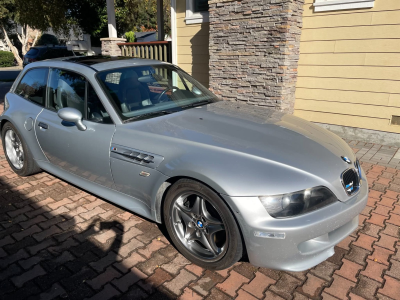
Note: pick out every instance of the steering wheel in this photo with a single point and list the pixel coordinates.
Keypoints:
(166, 90)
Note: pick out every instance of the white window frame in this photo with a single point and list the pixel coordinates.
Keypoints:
(195, 18)
(328, 5)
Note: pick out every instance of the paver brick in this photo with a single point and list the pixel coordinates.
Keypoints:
(340, 287)
(176, 265)
(129, 247)
(104, 262)
(387, 241)
(394, 219)
(57, 204)
(374, 270)
(189, 294)
(28, 275)
(349, 270)
(381, 255)
(258, 285)
(154, 281)
(154, 246)
(394, 270)
(177, 284)
(366, 287)
(391, 288)
(109, 274)
(129, 279)
(47, 233)
(377, 219)
(107, 293)
(365, 241)
(28, 232)
(129, 262)
(313, 286)
(55, 291)
(389, 202)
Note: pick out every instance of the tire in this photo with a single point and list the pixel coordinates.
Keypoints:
(201, 225)
(25, 166)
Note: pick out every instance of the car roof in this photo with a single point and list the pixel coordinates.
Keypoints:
(101, 63)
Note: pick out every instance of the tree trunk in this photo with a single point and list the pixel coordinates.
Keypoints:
(36, 36)
(12, 47)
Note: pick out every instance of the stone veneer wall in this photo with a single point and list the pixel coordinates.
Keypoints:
(254, 51)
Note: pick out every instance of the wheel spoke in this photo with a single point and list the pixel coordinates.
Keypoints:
(198, 205)
(209, 243)
(190, 234)
(213, 228)
(183, 214)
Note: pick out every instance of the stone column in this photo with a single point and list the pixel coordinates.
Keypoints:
(109, 46)
(254, 51)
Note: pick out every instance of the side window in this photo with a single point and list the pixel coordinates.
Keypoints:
(96, 111)
(33, 86)
(66, 89)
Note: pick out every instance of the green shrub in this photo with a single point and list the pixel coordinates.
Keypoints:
(6, 59)
(47, 39)
(130, 36)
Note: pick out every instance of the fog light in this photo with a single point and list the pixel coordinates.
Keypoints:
(270, 235)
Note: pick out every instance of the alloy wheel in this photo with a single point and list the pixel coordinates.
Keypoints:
(14, 149)
(199, 226)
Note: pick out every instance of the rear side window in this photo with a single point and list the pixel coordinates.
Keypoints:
(33, 86)
(32, 52)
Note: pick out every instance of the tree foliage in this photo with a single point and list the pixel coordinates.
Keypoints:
(46, 39)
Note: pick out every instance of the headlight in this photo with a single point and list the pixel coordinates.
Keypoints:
(297, 203)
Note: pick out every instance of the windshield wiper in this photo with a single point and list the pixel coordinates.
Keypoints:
(196, 104)
(151, 114)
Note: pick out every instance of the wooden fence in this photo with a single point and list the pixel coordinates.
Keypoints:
(150, 50)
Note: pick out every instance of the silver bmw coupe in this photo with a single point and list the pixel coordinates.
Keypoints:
(226, 179)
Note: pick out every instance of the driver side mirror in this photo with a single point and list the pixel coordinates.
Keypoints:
(72, 115)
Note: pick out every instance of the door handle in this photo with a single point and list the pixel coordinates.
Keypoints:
(43, 125)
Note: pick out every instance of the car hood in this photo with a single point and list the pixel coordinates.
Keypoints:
(243, 132)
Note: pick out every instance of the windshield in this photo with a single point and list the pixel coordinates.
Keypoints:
(148, 91)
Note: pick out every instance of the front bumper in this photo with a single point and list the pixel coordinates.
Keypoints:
(309, 239)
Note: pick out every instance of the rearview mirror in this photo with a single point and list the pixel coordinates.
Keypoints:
(72, 115)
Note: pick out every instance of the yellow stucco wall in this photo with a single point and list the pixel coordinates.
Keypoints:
(192, 45)
(349, 67)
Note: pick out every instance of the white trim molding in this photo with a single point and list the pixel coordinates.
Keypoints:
(174, 35)
(195, 17)
(327, 5)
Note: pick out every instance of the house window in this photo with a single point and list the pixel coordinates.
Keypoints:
(328, 5)
(196, 11)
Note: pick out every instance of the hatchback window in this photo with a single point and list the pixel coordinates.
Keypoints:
(66, 89)
(32, 52)
(33, 86)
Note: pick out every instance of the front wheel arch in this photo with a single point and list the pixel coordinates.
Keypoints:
(163, 190)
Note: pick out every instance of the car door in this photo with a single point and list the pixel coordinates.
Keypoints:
(28, 100)
(84, 153)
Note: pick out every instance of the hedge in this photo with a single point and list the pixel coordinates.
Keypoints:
(6, 59)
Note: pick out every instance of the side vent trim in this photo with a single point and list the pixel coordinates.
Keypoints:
(136, 156)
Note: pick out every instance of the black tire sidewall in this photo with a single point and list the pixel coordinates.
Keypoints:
(235, 247)
(25, 170)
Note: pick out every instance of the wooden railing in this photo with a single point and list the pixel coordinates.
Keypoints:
(151, 50)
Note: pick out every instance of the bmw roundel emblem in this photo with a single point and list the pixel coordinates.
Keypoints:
(200, 224)
(346, 159)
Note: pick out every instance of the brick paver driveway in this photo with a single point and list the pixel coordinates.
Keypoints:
(56, 241)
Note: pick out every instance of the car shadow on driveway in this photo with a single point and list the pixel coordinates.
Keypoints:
(59, 242)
